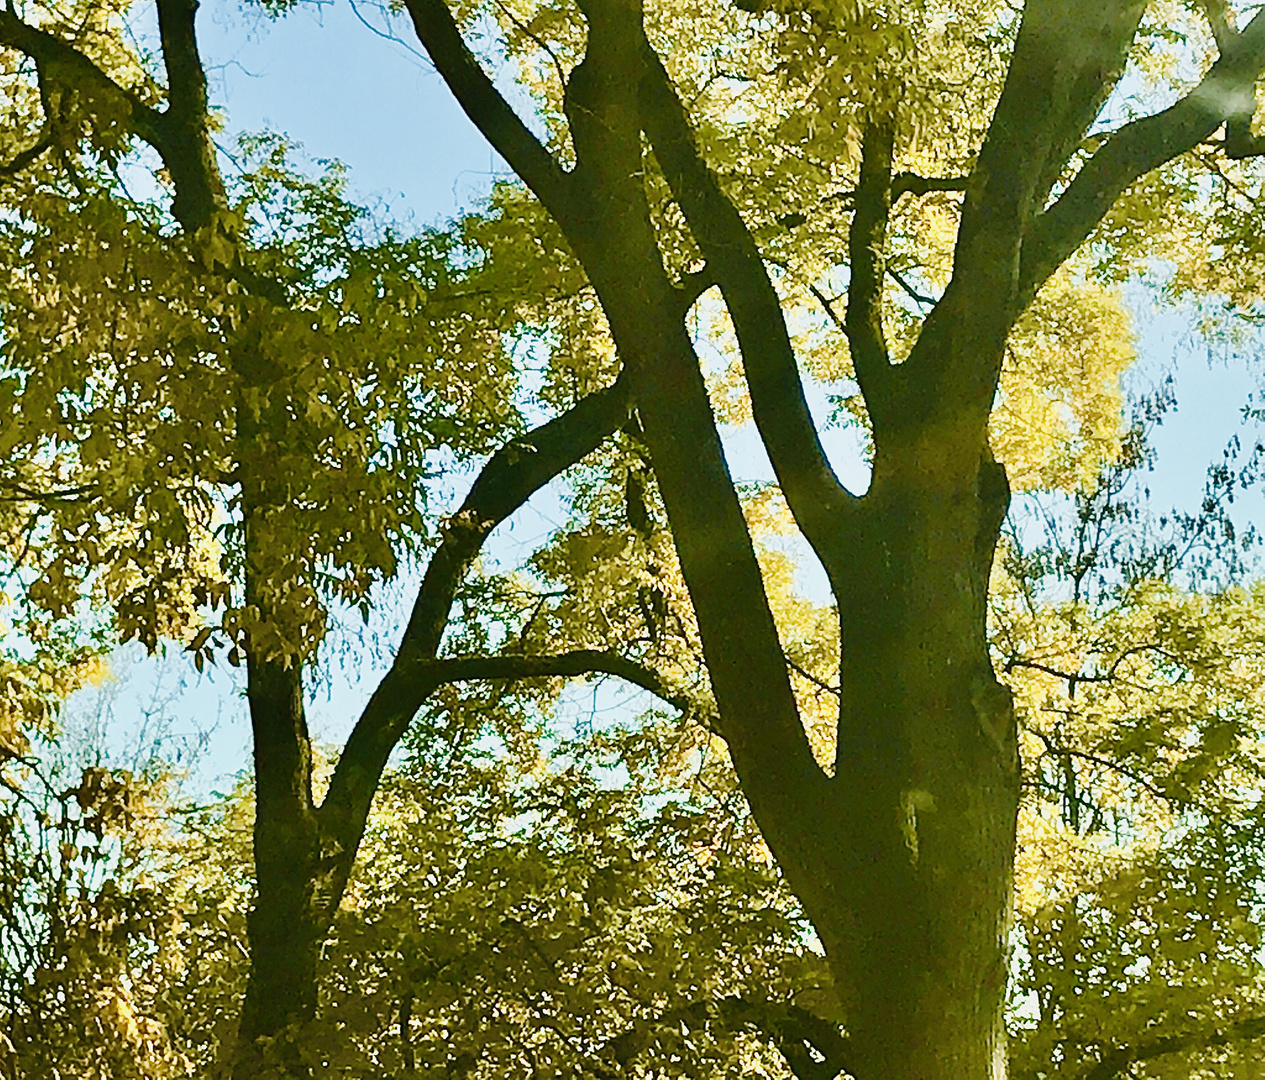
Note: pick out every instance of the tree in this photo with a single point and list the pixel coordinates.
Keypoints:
(902, 853)
(89, 937)
(231, 411)
(260, 347)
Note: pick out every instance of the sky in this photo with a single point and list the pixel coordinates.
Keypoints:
(325, 77)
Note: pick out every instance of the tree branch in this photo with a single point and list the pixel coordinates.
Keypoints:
(179, 134)
(1068, 56)
(907, 183)
(490, 112)
(1115, 1062)
(790, 1028)
(614, 239)
(803, 673)
(1220, 18)
(1057, 749)
(450, 669)
(693, 285)
(60, 495)
(1136, 149)
(867, 239)
(904, 183)
(189, 154)
(829, 307)
(1239, 140)
(27, 157)
(907, 289)
(64, 64)
(813, 491)
(506, 482)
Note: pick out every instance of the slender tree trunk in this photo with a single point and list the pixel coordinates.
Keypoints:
(285, 921)
(284, 925)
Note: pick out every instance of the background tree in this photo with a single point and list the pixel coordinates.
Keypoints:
(234, 408)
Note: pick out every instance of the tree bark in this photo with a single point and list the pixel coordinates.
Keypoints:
(284, 924)
(927, 780)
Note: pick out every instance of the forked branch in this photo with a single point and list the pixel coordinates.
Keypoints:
(55, 59)
(1220, 18)
(810, 485)
(506, 482)
(1138, 148)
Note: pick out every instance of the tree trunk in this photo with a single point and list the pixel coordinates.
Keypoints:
(927, 780)
(284, 925)
(285, 921)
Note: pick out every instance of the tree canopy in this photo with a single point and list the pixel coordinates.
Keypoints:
(1000, 786)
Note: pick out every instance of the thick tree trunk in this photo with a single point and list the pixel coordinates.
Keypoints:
(927, 780)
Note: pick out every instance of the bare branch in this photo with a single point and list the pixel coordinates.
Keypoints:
(907, 183)
(1057, 749)
(805, 674)
(1076, 677)
(907, 289)
(490, 112)
(1068, 677)
(576, 662)
(791, 1029)
(829, 307)
(813, 491)
(26, 157)
(1136, 149)
(58, 495)
(904, 183)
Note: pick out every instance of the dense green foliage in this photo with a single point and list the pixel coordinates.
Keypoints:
(224, 424)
